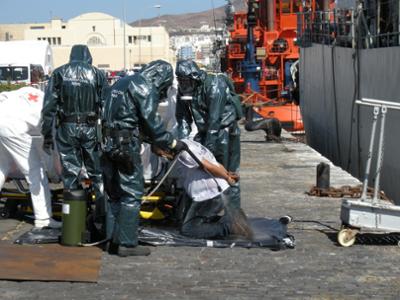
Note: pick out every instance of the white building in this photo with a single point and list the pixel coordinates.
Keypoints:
(104, 34)
(201, 43)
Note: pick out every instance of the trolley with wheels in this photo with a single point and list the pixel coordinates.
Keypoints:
(370, 213)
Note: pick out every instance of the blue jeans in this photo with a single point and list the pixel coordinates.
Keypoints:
(204, 220)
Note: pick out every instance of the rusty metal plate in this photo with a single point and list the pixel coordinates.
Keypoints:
(49, 263)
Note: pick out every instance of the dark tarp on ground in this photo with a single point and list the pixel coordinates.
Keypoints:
(268, 233)
(39, 236)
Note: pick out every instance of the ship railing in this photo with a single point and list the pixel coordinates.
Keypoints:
(332, 27)
(351, 28)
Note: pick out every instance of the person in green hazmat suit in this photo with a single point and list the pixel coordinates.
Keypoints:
(211, 102)
(130, 114)
(161, 74)
(74, 97)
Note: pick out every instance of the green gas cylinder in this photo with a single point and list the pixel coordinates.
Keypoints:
(74, 211)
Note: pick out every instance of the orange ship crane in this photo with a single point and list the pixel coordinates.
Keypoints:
(259, 57)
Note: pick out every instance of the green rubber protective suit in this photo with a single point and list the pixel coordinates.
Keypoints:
(130, 112)
(215, 108)
(73, 101)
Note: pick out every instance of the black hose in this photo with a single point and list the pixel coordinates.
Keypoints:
(356, 94)
(336, 105)
(164, 177)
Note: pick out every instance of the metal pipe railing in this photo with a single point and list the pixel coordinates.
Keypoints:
(343, 27)
(380, 106)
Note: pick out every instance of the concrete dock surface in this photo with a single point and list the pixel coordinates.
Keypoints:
(274, 179)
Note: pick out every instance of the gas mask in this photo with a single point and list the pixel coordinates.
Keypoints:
(163, 94)
(186, 87)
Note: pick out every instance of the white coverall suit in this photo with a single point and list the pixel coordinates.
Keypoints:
(19, 120)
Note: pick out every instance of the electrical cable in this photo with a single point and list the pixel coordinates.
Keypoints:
(356, 92)
(335, 104)
(358, 45)
(215, 21)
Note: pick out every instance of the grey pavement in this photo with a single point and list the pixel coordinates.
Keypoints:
(274, 179)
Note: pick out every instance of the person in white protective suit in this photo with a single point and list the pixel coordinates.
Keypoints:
(19, 122)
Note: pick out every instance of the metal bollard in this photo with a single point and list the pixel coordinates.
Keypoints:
(323, 176)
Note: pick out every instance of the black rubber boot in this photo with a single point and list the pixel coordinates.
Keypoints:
(133, 251)
(111, 248)
(286, 219)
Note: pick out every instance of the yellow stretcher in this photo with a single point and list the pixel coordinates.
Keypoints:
(17, 199)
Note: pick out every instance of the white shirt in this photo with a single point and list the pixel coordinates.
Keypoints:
(198, 184)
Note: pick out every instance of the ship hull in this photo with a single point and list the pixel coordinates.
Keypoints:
(331, 79)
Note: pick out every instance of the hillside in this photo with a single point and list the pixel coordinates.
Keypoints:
(175, 23)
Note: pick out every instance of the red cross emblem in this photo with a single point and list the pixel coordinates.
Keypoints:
(33, 97)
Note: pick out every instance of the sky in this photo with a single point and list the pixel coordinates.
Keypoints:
(37, 11)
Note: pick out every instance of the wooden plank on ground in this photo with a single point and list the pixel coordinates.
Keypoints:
(49, 262)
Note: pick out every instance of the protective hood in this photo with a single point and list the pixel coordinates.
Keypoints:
(80, 53)
(160, 73)
(189, 69)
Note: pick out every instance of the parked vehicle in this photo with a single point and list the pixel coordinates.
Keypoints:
(25, 61)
